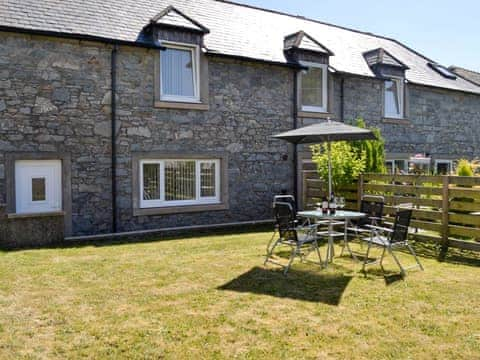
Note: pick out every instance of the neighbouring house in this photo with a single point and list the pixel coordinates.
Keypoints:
(469, 75)
(126, 115)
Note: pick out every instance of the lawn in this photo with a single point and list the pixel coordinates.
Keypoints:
(211, 297)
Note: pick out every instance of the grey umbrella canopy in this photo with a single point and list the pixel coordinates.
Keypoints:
(327, 131)
(324, 132)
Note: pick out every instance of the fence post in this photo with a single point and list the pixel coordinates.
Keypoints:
(304, 191)
(359, 191)
(445, 219)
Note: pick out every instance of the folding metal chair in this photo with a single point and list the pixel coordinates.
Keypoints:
(392, 239)
(302, 239)
(372, 206)
(291, 200)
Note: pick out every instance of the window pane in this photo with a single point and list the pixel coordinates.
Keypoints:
(392, 98)
(179, 180)
(443, 168)
(38, 189)
(312, 87)
(151, 181)
(177, 72)
(207, 179)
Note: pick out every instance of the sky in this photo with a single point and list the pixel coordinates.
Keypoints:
(447, 32)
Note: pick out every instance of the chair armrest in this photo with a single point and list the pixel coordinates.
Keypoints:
(373, 227)
(375, 218)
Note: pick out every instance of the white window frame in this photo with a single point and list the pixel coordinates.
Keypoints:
(401, 99)
(394, 164)
(199, 200)
(444, 161)
(195, 51)
(309, 108)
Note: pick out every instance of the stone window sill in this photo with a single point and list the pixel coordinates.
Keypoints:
(315, 115)
(397, 121)
(179, 209)
(35, 215)
(181, 105)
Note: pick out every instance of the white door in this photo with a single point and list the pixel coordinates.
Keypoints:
(38, 186)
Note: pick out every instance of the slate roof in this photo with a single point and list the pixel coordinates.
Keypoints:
(235, 29)
(470, 75)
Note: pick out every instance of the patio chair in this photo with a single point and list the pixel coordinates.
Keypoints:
(291, 200)
(301, 238)
(372, 206)
(391, 239)
(288, 199)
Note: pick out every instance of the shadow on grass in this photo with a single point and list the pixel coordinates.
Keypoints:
(453, 255)
(299, 285)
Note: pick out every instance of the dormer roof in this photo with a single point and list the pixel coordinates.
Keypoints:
(172, 17)
(302, 41)
(382, 57)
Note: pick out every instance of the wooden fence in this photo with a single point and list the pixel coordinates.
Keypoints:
(446, 208)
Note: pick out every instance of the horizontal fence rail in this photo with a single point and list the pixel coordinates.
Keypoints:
(446, 208)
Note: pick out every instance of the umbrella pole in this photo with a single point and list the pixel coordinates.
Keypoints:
(329, 145)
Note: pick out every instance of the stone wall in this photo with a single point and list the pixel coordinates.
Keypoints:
(21, 232)
(55, 97)
(444, 123)
(247, 104)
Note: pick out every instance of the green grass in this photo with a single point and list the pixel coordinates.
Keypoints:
(211, 297)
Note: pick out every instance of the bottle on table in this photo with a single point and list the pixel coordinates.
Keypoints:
(324, 205)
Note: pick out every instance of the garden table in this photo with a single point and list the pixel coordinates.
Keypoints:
(331, 220)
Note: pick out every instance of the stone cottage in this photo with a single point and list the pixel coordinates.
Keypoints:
(125, 116)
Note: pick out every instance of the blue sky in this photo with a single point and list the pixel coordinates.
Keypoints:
(445, 31)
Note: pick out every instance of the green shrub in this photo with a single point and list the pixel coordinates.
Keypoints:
(347, 164)
(464, 168)
(374, 149)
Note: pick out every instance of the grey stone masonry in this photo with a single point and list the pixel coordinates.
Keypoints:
(55, 97)
(54, 94)
(248, 103)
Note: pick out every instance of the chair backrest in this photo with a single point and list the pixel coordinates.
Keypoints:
(373, 207)
(400, 226)
(288, 199)
(285, 220)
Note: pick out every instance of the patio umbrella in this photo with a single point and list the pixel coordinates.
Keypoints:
(327, 131)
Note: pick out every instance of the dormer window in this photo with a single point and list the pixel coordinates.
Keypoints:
(392, 71)
(313, 86)
(179, 69)
(394, 98)
(302, 49)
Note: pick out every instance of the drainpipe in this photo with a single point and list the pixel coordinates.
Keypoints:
(342, 97)
(113, 76)
(295, 125)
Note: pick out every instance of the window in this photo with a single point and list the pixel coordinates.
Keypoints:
(443, 167)
(394, 98)
(179, 182)
(396, 166)
(442, 70)
(179, 73)
(38, 186)
(314, 87)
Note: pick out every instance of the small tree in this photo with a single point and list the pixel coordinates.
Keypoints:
(347, 164)
(464, 168)
(374, 149)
